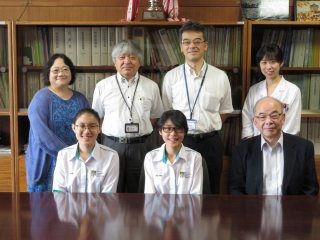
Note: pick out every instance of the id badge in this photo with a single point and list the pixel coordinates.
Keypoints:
(131, 127)
(192, 124)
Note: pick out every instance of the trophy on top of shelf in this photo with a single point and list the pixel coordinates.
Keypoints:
(154, 12)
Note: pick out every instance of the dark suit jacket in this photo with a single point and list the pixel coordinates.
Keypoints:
(299, 177)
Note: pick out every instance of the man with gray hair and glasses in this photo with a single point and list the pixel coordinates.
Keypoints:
(129, 105)
(274, 162)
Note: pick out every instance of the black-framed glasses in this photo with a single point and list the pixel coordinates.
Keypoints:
(90, 127)
(171, 129)
(273, 116)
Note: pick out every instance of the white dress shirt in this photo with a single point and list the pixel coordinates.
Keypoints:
(288, 93)
(214, 98)
(109, 103)
(273, 166)
(183, 176)
(99, 173)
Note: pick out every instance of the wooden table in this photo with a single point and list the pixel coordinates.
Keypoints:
(139, 216)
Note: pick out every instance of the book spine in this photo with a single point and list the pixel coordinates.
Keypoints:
(96, 46)
(84, 48)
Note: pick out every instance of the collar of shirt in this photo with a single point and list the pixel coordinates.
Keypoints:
(265, 145)
(191, 72)
(281, 87)
(128, 82)
(162, 156)
(76, 152)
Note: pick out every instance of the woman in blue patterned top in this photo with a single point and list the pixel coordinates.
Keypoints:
(51, 114)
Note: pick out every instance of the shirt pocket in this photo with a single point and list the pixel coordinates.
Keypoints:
(209, 102)
(145, 104)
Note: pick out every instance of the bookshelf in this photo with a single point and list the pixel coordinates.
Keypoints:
(300, 42)
(6, 112)
(227, 41)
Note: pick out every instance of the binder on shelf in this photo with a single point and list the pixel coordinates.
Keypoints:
(138, 36)
(111, 43)
(96, 46)
(33, 85)
(104, 46)
(71, 43)
(98, 77)
(84, 46)
(80, 83)
(4, 91)
(90, 85)
(58, 40)
(314, 103)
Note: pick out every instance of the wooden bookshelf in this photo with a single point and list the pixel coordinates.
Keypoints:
(236, 71)
(7, 163)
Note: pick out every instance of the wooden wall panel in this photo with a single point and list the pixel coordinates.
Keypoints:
(111, 10)
(5, 175)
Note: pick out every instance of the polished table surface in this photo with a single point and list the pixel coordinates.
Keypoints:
(139, 216)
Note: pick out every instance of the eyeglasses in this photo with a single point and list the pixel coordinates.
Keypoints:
(171, 129)
(273, 116)
(64, 70)
(90, 127)
(196, 43)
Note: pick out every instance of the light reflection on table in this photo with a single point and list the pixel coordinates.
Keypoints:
(139, 216)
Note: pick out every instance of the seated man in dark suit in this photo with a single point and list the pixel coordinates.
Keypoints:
(273, 163)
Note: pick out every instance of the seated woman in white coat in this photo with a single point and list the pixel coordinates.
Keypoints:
(269, 59)
(173, 168)
(86, 166)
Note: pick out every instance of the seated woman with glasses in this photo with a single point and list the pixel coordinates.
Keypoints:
(51, 114)
(173, 168)
(86, 166)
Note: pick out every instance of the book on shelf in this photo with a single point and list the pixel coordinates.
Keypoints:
(168, 47)
(96, 46)
(301, 47)
(138, 36)
(84, 46)
(3, 47)
(58, 40)
(104, 46)
(314, 102)
(90, 85)
(98, 77)
(33, 85)
(111, 43)
(4, 90)
(80, 83)
(310, 129)
(303, 82)
(71, 43)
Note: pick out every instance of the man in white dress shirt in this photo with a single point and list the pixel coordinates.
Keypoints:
(202, 92)
(128, 105)
(273, 163)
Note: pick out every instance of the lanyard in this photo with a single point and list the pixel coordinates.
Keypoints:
(185, 80)
(124, 99)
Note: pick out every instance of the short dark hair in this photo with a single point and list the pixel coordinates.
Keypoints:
(192, 26)
(67, 61)
(176, 117)
(88, 111)
(271, 52)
